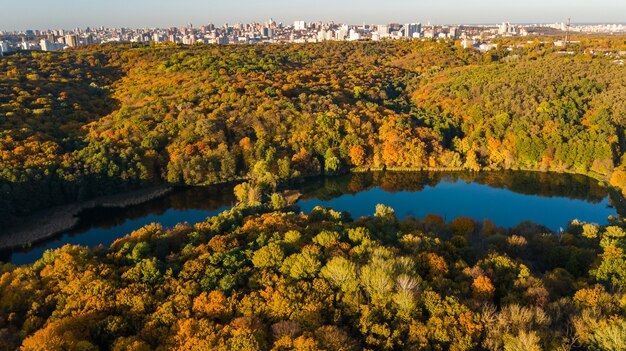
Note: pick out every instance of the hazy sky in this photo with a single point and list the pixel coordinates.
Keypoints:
(52, 14)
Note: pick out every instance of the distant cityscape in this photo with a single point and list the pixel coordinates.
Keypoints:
(471, 36)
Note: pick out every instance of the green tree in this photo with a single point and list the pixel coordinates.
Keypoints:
(269, 256)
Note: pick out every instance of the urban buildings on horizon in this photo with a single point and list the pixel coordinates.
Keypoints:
(298, 32)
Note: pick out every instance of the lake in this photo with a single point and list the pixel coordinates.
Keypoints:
(506, 198)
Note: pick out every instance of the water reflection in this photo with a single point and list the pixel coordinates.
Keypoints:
(507, 198)
(570, 186)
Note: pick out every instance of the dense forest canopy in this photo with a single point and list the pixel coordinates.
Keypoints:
(257, 278)
(93, 121)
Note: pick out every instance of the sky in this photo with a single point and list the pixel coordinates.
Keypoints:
(68, 14)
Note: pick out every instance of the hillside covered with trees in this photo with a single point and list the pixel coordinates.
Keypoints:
(100, 120)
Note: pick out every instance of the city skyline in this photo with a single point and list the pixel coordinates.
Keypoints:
(39, 14)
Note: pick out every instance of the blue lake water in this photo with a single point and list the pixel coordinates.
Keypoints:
(105, 235)
(454, 199)
(506, 198)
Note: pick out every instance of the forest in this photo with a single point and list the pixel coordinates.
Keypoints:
(106, 119)
(93, 121)
(268, 277)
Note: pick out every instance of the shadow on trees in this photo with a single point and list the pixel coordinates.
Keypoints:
(24, 198)
(47, 99)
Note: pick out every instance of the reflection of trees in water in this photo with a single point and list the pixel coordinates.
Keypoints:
(573, 186)
(213, 197)
(202, 198)
(406, 181)
(196, 198)
(528, 183)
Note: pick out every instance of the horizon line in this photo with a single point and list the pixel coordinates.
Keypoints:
(318, 21)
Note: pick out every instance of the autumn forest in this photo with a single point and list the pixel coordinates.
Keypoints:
(107, 119)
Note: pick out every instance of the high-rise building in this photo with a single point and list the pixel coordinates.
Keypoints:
(47, 45)
(299, 25)
(467, 43)
(189, 39)
(354, 35)
(383, 30)
(330, 35)
(4, 47)
(223, 40)
(453, 33)
(342, 33)
(72, 40)
(505, 28)
(321, 35)
(412, 30)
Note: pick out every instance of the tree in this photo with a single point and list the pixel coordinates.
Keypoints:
(247, 193)
(333, 338)
(332, 164)
(242, 191)
(213, 305)
(432, 264)
(463, 226)
(357, 155)
(385, 213)
(326, 238)
(341, 273)
(69, 333)
(278, 201)
(482, 289)
(524, 341)
(269, 256)
(610, 337)
(377, 278)
(618, 179)
(302, 265)
(612, 269)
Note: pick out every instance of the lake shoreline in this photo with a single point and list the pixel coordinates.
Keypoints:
(50, 222)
